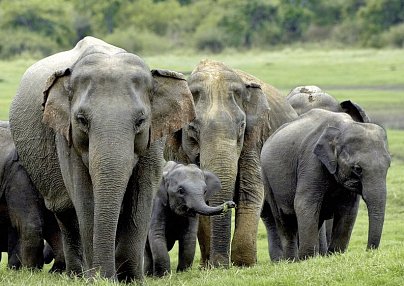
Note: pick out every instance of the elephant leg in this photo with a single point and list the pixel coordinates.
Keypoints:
(132, 233)
(322, 239)
(186, 248)
(53, 236)
(148, 260)
(79, 187)
(72, 249)
(344, 220)
(274, 242)
(249, 199)
(26, 217)
(131, 240)
(161, 259)
(307, 212)
(287, 230)
(329, 223)
(14, 259)
(204, 240)
(244, 246)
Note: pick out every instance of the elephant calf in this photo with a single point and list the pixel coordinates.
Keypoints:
(305, 98)
(316, 168)
(182, 195)
(24, 220)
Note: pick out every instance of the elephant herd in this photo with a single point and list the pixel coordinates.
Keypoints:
(121, 161)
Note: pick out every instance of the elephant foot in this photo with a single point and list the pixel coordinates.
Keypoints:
(219, 260)
(244, 247)
(58, 267)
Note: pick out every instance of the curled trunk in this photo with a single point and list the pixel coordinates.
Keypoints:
(202, 208)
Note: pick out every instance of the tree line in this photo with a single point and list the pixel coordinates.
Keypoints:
(42, 27)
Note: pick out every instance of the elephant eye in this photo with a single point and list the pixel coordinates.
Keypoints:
(192, 131)
(180, 190)
(82, 120)
(241, 129)
(139, 122)
(357, 170)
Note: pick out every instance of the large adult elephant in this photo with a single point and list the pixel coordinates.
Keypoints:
(233, 114)
(93, 119)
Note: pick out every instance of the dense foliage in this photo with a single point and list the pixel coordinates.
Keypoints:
(41, 27)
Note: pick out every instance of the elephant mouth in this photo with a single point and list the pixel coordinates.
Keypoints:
(354, 186)
(185, 211)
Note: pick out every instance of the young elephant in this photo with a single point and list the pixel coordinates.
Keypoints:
(183, 193)
(24, 220)
(316, 168)
(305, 98)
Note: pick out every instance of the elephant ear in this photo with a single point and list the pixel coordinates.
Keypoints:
(355, 111)
(171, 103)
(257, 111)
(56, 103)
(163, 189)
(325, 148)
(213, 184)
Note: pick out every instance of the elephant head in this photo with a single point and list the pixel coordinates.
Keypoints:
(109, 108)
(356, 155)
(187, 188)
(304, 98)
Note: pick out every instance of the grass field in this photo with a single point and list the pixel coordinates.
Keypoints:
(372, 78)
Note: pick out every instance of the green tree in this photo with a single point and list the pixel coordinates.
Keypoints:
(378, 16)
(37, 26)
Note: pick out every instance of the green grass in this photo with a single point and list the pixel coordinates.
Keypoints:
(374, 79)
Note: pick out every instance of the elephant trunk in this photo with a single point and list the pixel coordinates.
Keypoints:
(202, 208)
(221, 159)
(374, 195)
(111, 164)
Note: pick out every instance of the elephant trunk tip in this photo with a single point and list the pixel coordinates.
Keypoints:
(228, 205)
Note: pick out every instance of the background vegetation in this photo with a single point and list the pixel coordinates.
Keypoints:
(42, 27)
(371, 78)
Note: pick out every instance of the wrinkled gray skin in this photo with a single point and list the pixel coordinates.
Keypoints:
(93, 118)
(233, 111)
(24, 220)
(183, 193)
(305, 98)
(317, 167)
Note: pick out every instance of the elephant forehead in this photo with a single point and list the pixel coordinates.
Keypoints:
(119, 66)
(184, 173)
(214, 76)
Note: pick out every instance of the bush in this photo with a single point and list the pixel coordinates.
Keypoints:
(394, 37)
(210, 40)
(316, 33)
(347, 33)
(138, 42)
(17, 42)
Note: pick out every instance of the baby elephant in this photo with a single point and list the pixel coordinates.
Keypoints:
(316, 168)
(183, 193)
(24, 220)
